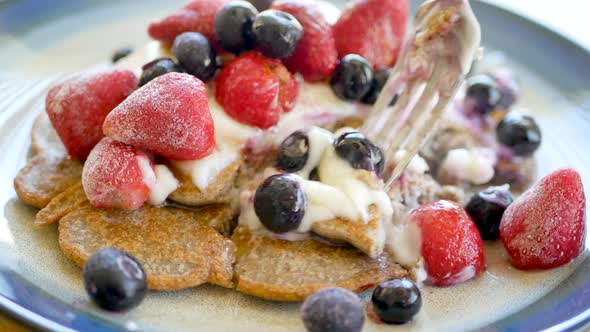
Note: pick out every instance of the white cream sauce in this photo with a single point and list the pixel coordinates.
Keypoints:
(165, 184)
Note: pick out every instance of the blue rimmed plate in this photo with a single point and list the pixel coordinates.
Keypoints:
(39, 286)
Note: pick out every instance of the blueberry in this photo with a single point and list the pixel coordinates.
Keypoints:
(314, 175)
(482, 95)
(114, 280)
(279, 203)
(520, 133)
(157, 68)
(233, 26)
(121, 53)
(376, 86)
(196, 55)
(293, 152)
(333, 310)
(261, 4)
(486, 209)
(277, 33)
(509, 87)
(360, 152)
(352, 77)
(396, 301)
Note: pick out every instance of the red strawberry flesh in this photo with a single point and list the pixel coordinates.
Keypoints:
(373, 29)
(452, 247)
(316, 55)
(78, 105)
(546, 226)
(169, 116)
(117, 175)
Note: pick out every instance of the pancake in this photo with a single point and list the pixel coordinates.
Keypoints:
(176, 247)
(292, 270)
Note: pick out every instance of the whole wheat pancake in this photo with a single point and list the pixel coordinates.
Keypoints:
(218, 192)
(44, 138)
(177, 248)
(71, 199)
(292, 270)
(46, 176)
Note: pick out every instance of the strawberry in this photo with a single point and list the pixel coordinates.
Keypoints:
(316, 55)
(546, 226)
(373, 29)
(168, 116)
(451, 245)
(117, 175)
(254, 90)
(196, 16)
(78, 105)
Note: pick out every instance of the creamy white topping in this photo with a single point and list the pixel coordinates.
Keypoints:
(205, 171)
(147, 173)
(165, 184)
(417, 165)
(474, 165)
(344, 192)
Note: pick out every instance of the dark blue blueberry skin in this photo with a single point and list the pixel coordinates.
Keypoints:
(352, 77)
(376, 86)
(396, 301)
(280, 203)
(233, 26)
(482, 95)
(261, 4)
(520, 133)
(121, 53)
(293, 152)
(360, 152)
(277, 33)
(333, 310)
(157, 68)
(114, 280)
(486, 208)
(195, 55)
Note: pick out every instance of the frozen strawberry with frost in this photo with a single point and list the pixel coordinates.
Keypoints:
(78, 105)
(117, 175)
(315, 56)
(195, 16)
(452, 247)
(169, 116)
(546, 226)
(255, 90)
(374, 29)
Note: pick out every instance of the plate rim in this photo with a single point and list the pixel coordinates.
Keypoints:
(88, 322)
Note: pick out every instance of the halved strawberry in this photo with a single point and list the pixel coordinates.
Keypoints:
(196, 16)
(254, 90)
(78, 105)
(451, 245)
(546, 226)
(117, 175)
(373, 29)
(316, 55)
(169, 116)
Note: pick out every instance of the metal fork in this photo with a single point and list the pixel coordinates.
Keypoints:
(431, 68)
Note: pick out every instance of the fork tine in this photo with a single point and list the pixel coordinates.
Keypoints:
(400, 133)
(422, 134)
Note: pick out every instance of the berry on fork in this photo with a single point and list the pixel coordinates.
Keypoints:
(117, 175)
(546, 226)
(373, 29)
(78, 105)
(169, 116)
(254, 90)
(451, 245)
(315, 55)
